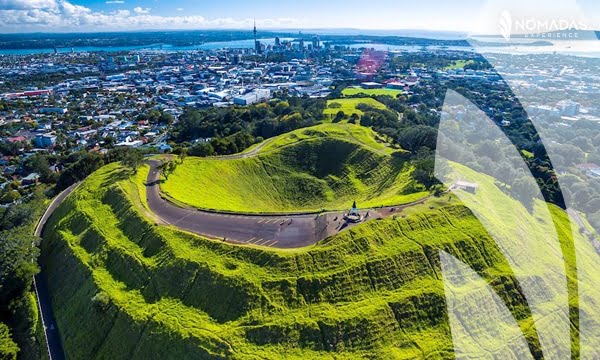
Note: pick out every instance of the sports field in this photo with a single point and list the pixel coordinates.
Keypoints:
(351, 91)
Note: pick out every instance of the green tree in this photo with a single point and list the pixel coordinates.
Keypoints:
(39, 164)
(339, 117)
(16, 265)
(10, 196)
(167, 168)
(165, 118)
(182, 154)
(416, 137)
(366, 120)
(8, 348)
(132, 159)
(525, 189)
(202, 149)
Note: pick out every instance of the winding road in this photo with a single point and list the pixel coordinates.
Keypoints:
(280, 231)
(53, 342)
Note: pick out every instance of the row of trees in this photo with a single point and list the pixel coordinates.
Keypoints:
(82, 164)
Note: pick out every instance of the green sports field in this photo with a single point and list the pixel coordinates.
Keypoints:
(351, 91)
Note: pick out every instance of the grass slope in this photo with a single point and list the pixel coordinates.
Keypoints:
(327, 166)
(348, 106)
(123, 288)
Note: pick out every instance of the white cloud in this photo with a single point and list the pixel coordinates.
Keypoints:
(115, 2)
(26, 4)
(61, 15)
(142, 11)
(179, 9)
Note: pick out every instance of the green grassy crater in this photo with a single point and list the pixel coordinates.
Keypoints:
(322, 167)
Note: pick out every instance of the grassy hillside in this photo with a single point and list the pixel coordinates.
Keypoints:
(348, 106)
(326, 166)
(124, 288)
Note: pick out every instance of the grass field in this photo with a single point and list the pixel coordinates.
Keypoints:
(459, 64)
(123, 288)
(323, 167)
(350, 91)
(348, 106)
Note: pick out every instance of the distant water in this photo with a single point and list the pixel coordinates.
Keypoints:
(237, 44)
(423, 34)
(584, 48)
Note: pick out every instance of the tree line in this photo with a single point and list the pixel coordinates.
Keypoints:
(19, 325)
(221, 131)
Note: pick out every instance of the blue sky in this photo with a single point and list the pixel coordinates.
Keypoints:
(106, 15)
(323, 13)
(363, 14)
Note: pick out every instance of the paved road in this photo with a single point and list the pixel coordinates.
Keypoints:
(242, 155)
(53, 342)
(584, 229)
(281, 231)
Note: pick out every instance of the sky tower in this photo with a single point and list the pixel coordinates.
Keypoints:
(257, 46)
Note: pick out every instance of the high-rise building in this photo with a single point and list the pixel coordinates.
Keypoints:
(277, 42)
(316, 43)
(257, 45)
(568, 107)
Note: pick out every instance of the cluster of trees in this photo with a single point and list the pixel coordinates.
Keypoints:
(414, 131)
(73, 167)
(156, 117)
(229, 130)
(18, 310)
(224, 145)
(78, 165)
